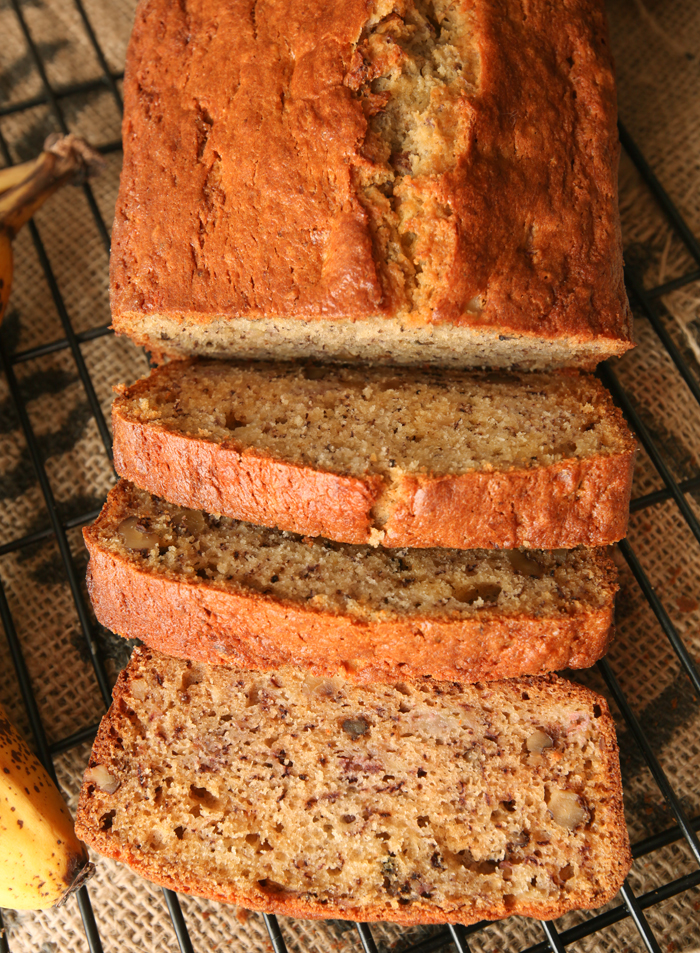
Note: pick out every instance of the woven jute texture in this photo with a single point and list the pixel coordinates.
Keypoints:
(656, 44)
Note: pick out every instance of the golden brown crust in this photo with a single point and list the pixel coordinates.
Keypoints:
(524, 220)
(189, 618)
(609, 818)
(561, 506)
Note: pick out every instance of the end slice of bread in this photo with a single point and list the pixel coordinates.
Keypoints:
(369, 455)
(318, 798)
(214, 589)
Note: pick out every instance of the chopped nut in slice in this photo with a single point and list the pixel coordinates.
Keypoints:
(192, 521)
(525, 565)
(567, 809)
(101, 778)
(139, 688)
(355, 727)
(538, 741)
(135, 535)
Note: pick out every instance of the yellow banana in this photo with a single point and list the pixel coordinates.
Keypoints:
(41, 861)
(24, 188)
(14, 175)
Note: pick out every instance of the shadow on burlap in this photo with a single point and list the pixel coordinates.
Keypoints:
(655, 44)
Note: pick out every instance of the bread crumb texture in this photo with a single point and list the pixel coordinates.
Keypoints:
(402, 165)
(409, 802)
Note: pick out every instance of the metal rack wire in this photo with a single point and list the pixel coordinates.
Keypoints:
(646, 300)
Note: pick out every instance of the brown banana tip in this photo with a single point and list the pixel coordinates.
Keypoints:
(75, 151)
(80, 872)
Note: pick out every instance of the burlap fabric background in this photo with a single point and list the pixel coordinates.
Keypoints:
(656, 44)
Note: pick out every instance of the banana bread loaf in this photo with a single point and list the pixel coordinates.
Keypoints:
(403, 457)
(418, 803)
(217, 590)
(391, 180)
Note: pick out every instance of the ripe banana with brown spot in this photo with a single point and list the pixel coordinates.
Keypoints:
(24, 188)
(41, 859)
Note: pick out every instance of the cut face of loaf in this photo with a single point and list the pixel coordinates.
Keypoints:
(402, 457)
(411, 802)
(217, 590)
(387, 180)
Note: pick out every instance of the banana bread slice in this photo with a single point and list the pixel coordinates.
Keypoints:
(217, 590)
(402, 457)
(412, 802)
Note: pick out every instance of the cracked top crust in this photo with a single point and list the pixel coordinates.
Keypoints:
(428, 164)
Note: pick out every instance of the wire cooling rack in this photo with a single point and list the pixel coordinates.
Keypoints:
(52, 98)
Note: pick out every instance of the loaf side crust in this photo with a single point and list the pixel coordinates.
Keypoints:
(609, 815)
(517, 224)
